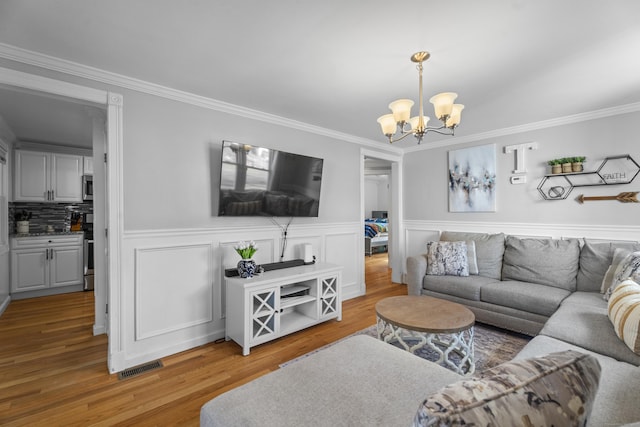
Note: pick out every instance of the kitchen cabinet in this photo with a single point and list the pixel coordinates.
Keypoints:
(47, 177)
(44, 262)
(87, 165)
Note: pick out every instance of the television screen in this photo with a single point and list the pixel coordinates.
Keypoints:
(257, 181)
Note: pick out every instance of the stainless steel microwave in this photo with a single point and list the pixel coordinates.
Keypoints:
(87, 187)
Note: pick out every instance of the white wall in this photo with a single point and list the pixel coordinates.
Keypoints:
(520, 208)
(6, 139)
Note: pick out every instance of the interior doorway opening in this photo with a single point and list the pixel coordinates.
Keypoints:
(381, 210)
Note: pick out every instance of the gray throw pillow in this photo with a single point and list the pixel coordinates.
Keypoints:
(548, 262)
(489, 250)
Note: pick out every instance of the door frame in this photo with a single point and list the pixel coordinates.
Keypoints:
(109, 291)
(396, 236)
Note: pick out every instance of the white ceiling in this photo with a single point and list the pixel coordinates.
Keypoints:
(337, 64)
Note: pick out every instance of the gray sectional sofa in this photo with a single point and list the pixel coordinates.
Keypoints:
(549, 289)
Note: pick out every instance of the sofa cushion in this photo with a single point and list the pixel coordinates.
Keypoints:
(462, 287)
(544, 261)
(624, 313)
(447, 258)
(588, 326)
(557, 389)
(530, 297)
(595, 259)
(616, 401)
(489, 250)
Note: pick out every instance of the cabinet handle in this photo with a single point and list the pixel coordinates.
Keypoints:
(53, 195)
(46, 254)
(51, 256)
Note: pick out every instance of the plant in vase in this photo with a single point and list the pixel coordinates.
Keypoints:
(576, 163)
(566, 164)
(246, 266)
(556, 165)
(22, 221)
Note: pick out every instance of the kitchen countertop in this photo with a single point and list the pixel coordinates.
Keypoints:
(44, 233)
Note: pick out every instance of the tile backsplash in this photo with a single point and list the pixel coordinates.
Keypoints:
(43, 214)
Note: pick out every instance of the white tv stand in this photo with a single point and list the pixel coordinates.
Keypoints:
(279, 302)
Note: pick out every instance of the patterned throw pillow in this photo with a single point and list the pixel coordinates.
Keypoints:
(554, 390)
(628, 267)
(624, 313)
(447, 258)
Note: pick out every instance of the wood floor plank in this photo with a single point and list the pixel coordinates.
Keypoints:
(53, 371)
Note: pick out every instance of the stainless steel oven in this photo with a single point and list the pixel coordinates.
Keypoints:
(87, 226)
(87, 187)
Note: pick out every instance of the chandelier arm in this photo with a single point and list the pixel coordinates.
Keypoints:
(404, 135)
(438, 130)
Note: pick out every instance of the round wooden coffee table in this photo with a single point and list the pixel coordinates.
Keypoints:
(421, 324)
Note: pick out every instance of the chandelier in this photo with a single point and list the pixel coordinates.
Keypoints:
(446, 111)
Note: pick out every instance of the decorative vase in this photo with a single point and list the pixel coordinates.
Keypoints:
(556, 169)
(566, 168)
(247, 268)
(576, 167)
(22, 227)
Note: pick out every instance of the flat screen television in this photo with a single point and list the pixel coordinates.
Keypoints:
(258, 181)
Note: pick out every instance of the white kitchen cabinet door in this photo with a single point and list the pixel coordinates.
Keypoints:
(66, 178)
(29, 270)
(31, 182)
(88, 165)
(66, 266)
(47, 177)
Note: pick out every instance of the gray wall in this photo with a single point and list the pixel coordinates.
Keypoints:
(172, 159)
(425, 177)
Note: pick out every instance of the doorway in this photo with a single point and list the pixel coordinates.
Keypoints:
(110, 105)
(381, 180)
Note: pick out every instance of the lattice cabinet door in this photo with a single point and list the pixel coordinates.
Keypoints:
(263, 314)
(329, 296)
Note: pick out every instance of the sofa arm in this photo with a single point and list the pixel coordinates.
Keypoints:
(416, 269)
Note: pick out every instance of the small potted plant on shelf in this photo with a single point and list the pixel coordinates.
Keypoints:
(22, 221)
(566, 164)
(576, 163)
(556, 166)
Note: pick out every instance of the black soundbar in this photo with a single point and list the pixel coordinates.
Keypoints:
(233, 272)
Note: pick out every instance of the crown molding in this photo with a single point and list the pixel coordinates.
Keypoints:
(544, 124)
(51, 63)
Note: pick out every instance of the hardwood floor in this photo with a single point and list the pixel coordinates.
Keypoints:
(53, 371)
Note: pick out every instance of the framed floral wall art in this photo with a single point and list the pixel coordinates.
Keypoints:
(472, 179)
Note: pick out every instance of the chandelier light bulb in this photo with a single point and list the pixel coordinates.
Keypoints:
(401, 110)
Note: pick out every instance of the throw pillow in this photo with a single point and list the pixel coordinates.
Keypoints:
(628, 267)
(489, 250)
(472, 260)
(624, 313)
(556, 389)
(447, 258)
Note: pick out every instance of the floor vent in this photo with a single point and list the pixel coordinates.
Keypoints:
(140, 369)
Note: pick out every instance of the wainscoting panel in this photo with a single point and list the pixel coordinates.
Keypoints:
(344, 249)
(416, 240)
(173, 289)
